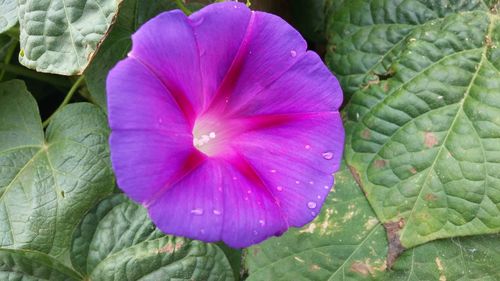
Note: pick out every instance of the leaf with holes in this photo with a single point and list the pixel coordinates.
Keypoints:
(8, 17)
(366, 37)
(60, 36)
(117, 241)
(425, 143)
(347, 242)
(48, 182)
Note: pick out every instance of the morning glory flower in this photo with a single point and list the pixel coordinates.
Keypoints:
(223, 125)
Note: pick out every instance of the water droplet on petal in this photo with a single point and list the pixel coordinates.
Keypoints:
(311, 205)
(311, 182)
(297, 182)
(202, 231)
(212, 135)
(262, 222)
(235, 178)
(246, 198)
(279, 188)
(293, 53)
(319, 196)
(313, 214)
(255, 232)
(308, 146)
(217, 212)
(326, 187)
(249, 191)
(328, 155)
(197, 211)
(272, 171)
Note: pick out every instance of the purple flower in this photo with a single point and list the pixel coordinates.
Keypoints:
(223, 126)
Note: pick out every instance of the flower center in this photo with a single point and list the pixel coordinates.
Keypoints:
(210, 136)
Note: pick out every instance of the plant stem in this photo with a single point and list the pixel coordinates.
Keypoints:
(183, 7)
(8, 57)
(23, 71)
(66, 100)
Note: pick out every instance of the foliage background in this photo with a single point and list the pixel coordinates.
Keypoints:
(417, 198)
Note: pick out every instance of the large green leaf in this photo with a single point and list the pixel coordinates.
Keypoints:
(117, 241)
(367, 36)
(48, 182)
(60, 36)
(29, 265)
(425, 143)
(133, 14)
(347, 242)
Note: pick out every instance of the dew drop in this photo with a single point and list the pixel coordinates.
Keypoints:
(249, 191)
(319, 197)
(235, 178)
(326, 187)
(307, 146)
(293, 53)
(217, 212)
(272, 171)
(328, 155)
(160, 120)
(255, 232)
(313, 214)
(311, 182)
(212, 135)
(246, 198)
(297, 182)
(279, 188)
(197, 212)
(262, 222)
(311, 205)
(202, 231)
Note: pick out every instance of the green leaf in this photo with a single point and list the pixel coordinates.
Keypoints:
(8, 16)
(346, 235)
(425, 142)
(61, 37)
(48, 183)
(347, 242)
(33, 266)
(366, 37)
(117, 241)
(132, 15)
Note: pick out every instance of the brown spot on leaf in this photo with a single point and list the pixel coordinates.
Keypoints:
(413, 170)
(395, 247)
(430, 139)
(314, 267)
(170, 247)
(385, 87)
(440, 267)
(255, 250)
(430, 197)
(366, 267)
(366, 134)
(380, 163)
(357, 178)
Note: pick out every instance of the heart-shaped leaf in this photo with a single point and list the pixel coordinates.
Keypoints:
(347, 242)
(48, 182)
(60, 36)
(117, 241)
(425, 142)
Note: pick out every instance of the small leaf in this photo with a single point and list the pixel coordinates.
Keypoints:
(425, 142)
(347, 242)
(117, 241)
(48, 183)
(33, 265)
(61, 37)
(8, 16)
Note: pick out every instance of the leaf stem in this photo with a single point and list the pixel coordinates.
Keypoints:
(8, 57)
(183, 7)
(66, 100)
(23, 71)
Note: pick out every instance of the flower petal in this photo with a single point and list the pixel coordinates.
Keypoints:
(297, 91)
(296, 161)
(270, 47)
(219, 30)
(137, 100)
(167, 47)
(217, 202)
